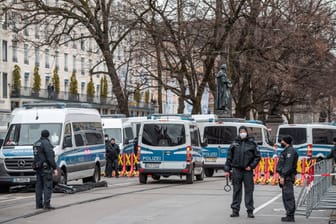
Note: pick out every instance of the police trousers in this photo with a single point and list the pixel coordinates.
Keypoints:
(239, 177)
(288, 198)
(43, 188)
(112, 164)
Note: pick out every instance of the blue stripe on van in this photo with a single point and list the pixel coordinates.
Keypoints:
(167, 155)
(302, 150)
(86, 154)
(215, 152)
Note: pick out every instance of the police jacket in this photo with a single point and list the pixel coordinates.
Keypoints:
(45, 152)
(112, 151)
(332, 154)
(242, 153)
(287, 162)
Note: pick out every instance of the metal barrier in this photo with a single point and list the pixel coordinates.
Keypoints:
(317, 192)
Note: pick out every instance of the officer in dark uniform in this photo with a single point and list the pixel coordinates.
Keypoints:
(332, 153)
(287, 170)
(115, 151)
(107, 149)
(45, 166)
(243, 157)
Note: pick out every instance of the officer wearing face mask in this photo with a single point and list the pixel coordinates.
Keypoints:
(287, 170)
(243, 156)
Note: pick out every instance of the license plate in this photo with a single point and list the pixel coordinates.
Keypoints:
(210, 159)
(21, 180)
(152, 165)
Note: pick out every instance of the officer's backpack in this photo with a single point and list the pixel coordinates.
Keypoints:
(37, 163)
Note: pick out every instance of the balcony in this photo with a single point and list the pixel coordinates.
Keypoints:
(98, 102)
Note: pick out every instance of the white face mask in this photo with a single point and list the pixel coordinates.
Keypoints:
(243, 135)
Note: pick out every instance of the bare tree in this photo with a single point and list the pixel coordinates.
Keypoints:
(104, 21)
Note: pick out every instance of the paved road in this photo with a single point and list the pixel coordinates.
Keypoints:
(125, 201)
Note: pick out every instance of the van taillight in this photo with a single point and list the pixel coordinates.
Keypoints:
(310, 150)
(189, 154)
(138, 151)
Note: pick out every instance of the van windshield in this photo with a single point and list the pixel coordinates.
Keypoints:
(28, 134)
(299, 135)
(114, 133)
(220, 134)
(163, 134)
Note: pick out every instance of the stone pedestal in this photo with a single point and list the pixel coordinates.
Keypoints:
(273, 122)
(223, 113)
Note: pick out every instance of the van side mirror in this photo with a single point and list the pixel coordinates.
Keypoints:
(204, 143)
(1, 142)
(126, 141)
(67, 142)
(259, 143)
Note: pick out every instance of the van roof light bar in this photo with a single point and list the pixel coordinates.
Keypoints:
(185, 117)
(56, 105)
(114, 115)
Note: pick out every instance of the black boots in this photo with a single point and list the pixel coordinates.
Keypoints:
(250, 214)
(234, 214)
(288, 219)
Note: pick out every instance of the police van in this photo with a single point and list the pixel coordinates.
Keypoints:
(310, 140)
(170, 145)
(117, 127)
(75, 132)
(219, 135)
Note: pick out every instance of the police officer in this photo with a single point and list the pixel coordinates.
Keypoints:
(287, 170)
(115, 151)
(243, 157)
(45, 166)
(332, 153)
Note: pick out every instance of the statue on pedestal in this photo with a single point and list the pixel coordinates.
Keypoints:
(223, 95)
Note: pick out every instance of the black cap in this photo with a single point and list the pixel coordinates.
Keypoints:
(243, 128)
(106, 136)
(45, 133)
(334, 139)
(287, 138)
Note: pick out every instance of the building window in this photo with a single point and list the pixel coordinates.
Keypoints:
(47, 57)
(90, 65)
(5, 21)
(37, 31)
(26, 54)
(82, 65)
(4, 50)
(83, 87)
(4, 85)
(66, 68)
(25, 30)
(57, 59)
(82, 42)
(15, 57)
(37, 56)
(98, 90)
(26, 79)
(74, 63)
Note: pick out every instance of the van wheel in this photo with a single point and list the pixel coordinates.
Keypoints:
(156, 177)
(209, 172)
(63, 177)
(96, 175)
(190, 177)
(143, 178)
(200, 176)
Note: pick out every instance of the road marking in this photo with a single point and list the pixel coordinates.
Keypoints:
(121, 184)
(267, 203)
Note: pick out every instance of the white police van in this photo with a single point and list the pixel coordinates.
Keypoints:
(219, 135)
(117, 127)
(310, 140)
(75, 132)
(170, 145)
